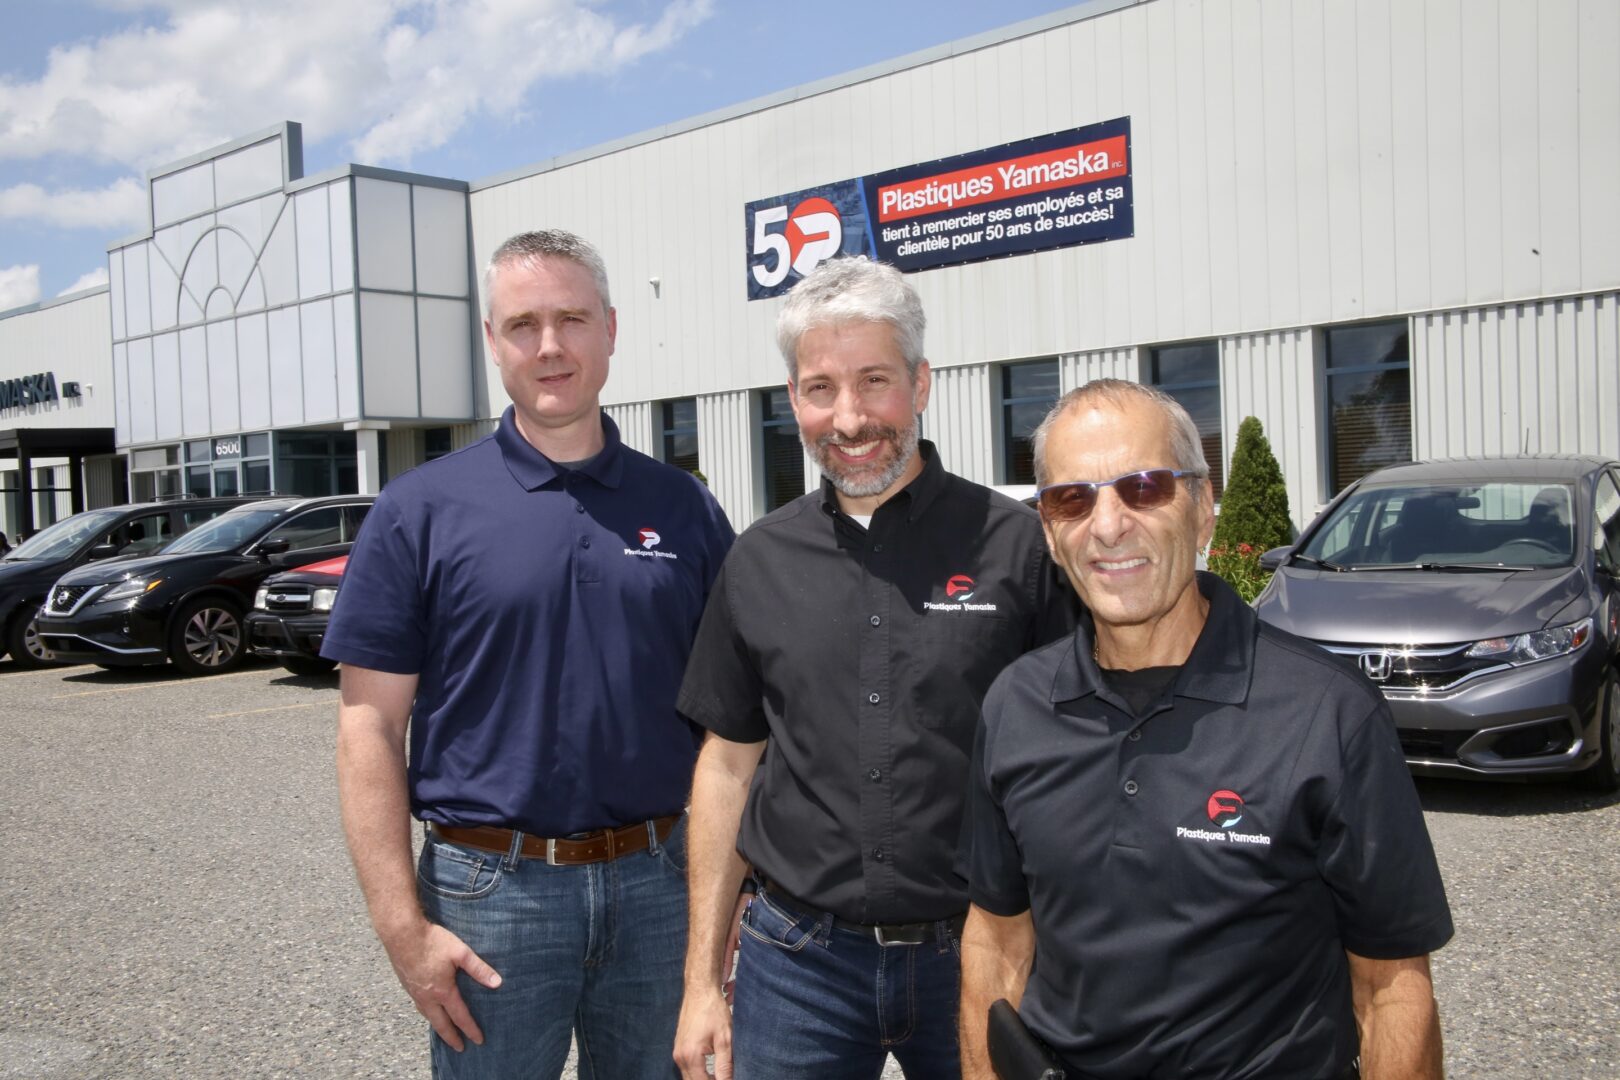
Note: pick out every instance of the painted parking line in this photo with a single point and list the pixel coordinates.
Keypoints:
(275, 708)
(160, 685)
(57, 671)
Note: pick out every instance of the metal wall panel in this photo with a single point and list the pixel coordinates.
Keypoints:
(1273, 376)
(728, 453)
(1518, 378)
(1077, 369)
(636, 427)
(958, 421)
(70, 340)
(100, 483)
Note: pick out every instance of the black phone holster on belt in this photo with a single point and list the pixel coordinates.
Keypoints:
(1015, 1052)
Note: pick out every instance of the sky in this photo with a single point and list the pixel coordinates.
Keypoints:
(94, 93)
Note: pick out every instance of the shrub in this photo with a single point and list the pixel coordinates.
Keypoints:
(1254, 513)
(1239, 567)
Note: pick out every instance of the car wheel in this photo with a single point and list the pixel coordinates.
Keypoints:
(1605, 774)
(206, 637)
(308, 665)
(22, 640)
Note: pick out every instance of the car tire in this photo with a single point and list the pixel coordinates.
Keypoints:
(207, 637)
(1605, 774)
(23, 643)
(308, 665)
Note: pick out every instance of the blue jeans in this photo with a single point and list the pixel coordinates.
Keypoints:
(820, 1002)
(592, 951)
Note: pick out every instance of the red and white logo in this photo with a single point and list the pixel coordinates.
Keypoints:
(959, 587)
(649, 538)
(814, 232)
(1225, 808)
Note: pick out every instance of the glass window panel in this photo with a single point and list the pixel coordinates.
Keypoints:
(1203, 404)
(348, 475)
(145, 534)
(1037, 379)
(201, 450)
(256, 477)
(784, 467)
(1369, 423)
(1194, 362)
(311, 445)
(307, 476)
(199, 480)
(1371, 343)
(168, 483)
(225, 483)
(681, 413)
(256, 445)
(778, 405)
(314, 528)
(436, 442)
(681, 451)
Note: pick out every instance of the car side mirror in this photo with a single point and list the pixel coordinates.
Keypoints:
(276, 546)
(103, 551)
(1273, 558)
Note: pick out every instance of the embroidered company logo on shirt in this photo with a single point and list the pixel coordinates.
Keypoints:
(650, 539)
(959, 589)
(1225, 809)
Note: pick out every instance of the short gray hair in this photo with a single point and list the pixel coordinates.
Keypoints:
(1186, 448)
(852, 290)
(531, 247)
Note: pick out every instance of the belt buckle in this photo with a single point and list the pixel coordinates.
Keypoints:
(913, 935)
(551, 851)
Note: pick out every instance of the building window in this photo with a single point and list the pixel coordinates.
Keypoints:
(1191, 373)
(436, 442)
(317, 463)
(680, 433)
(1028, 392)
(1369, 400)
(781, 454)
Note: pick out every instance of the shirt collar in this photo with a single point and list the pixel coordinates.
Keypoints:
(533, 470)
(1218, 669)
(919, 494)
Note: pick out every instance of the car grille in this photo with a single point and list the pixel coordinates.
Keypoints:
(288, 599)
(66, 599)
(1417, 669)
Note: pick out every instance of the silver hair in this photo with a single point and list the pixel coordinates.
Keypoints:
(548, 244)
(1186, 448)
(852, 290)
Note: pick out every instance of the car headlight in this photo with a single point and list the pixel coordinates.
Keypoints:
(323, 598)
(260, 600)
(1537, 645)
(124, 590)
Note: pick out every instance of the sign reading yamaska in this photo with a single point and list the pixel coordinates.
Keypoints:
(1052, 191)
(34, 390)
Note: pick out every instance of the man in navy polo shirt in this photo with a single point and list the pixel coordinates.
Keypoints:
(524, 607)
(1193, 847)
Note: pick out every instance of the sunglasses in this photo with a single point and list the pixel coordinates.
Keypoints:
(1145, 490)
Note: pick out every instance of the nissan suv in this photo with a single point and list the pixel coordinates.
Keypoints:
(186, 604)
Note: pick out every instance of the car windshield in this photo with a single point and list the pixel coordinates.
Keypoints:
(64, 538)
(228, 531)
(1486, 525)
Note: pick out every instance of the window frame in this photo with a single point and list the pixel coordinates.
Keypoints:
(1006, 402)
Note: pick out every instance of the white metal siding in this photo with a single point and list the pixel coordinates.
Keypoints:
(636, 427)
(1518, 378)
(1273, 376)
(958, 421)
(71, 340)
(100, 484)
(1077, 369)
(728, 453)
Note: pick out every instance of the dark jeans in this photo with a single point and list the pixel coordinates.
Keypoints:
(591, 952)
(819, 1002)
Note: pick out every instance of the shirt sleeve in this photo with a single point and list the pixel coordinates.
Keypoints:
(722, 690)
(987, 854)
(1375, 852)
(378, 618)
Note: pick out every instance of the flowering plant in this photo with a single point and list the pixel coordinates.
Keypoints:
(1239, 567)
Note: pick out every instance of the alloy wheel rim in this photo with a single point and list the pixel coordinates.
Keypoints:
(36, 648)
(212, 637)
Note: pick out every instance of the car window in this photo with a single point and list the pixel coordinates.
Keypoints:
(1606, 523)
(196, 515)
(227, 531)
(62, 539)
(1484, 523)
(320, 527)
(142, 535)
(352, 517)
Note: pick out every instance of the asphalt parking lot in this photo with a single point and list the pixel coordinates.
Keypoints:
(175, 899)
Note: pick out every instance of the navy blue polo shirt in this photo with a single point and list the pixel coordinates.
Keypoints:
(549, 613)
(1196, 874)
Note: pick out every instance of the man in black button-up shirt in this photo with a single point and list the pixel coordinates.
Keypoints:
(855, 631)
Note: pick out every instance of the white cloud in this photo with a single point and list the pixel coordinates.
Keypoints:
(19, 285)
(98, 276)
(394, 77)
(119, 205)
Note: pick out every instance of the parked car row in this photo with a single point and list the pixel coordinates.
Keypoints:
(162, 583)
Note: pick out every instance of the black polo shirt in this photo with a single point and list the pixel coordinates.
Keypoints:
(863, 655)
(1195, 876)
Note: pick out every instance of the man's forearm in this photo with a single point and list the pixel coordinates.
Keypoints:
(714, 869)
(376, 819)
(1400, 1024)
(997, 954)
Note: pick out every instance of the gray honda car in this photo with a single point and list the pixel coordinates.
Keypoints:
(1483, 599)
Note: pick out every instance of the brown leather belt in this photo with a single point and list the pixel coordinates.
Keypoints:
(600, 846)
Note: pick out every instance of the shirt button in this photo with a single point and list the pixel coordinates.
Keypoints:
(1131, 788)
(877, 853)
(873, 698)
(877, 621)
(1135, 736)
(875, 775)
(584, 541)
(579, 508)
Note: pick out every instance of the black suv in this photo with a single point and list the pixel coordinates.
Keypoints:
(186, 604)
(29, 570)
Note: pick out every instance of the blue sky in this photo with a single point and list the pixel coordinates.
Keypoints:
(93, 93)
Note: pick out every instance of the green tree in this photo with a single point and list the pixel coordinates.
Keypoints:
(1254, 507)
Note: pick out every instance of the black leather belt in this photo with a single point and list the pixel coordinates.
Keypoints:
(885, 934)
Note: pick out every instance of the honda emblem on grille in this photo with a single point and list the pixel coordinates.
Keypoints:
(1377, 665)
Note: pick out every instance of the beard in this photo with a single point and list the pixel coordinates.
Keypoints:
(871, 477)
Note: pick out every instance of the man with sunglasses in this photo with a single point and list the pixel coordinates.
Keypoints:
(1203, 826)
(855, 631)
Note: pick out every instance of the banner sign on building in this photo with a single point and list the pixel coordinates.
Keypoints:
(1052, 191)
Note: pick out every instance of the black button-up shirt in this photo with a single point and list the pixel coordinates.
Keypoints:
(863, 656)
(1195, 874)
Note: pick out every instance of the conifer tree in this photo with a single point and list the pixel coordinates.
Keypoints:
(1254, 506)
